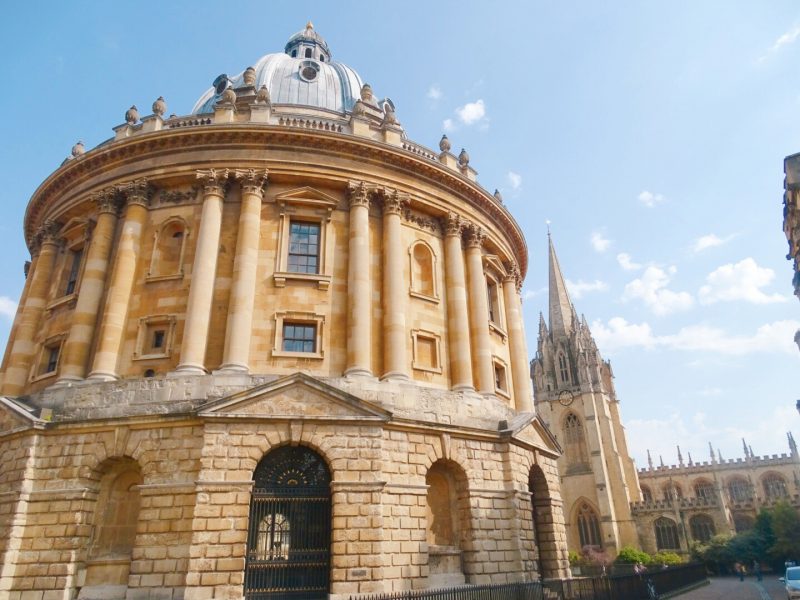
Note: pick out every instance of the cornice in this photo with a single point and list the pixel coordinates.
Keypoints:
(259, 137)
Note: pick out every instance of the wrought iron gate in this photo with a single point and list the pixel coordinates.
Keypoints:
(289, 539)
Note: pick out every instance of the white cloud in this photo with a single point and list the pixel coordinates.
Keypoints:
(740, 281)
(530, 294)
(515, 180)
(626, 262)
(786, 39)
(649, 199)
(447, 124)
(599, 243)
(8, 308)
(578, 288)
(471, 112)
(434, 92)
(709, 241)
(651, 288)
(769, 338)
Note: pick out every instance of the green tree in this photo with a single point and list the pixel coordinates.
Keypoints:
(785, 524)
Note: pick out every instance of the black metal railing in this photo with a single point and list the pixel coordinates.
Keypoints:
(617, 587)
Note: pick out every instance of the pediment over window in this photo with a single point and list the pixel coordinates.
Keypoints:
(308, 197)
(492, 263)
(16, 416)
(297, 396)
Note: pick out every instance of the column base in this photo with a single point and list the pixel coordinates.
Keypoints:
(102, 376)
(358, 372)
(67, 381)
(463, 387)
(232, 369)
(188, 369)
(395, 376)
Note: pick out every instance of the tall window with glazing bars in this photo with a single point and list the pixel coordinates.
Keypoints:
(304, 247)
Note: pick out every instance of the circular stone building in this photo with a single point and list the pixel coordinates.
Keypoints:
(271, 349)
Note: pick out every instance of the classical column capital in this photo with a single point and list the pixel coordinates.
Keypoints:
(252, 181)
(213, 180)
(106, 200)
(358, 193)
(393, 202)
(474, 236)
(452, 225)
(137, 191)
(47, 233)
(513, 275)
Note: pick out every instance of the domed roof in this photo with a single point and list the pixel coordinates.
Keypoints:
(303, 75)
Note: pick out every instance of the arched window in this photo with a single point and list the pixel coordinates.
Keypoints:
(167, 259)
(588, 526)
(423, 280)
(575, 441)
(672, 491)
(743, 522)
(704, 489)
(308, 52)
(702, 527)
(647, 495)
(774, 486)
(666, 534)
(117, 512)
(740, 490)
(563, 368)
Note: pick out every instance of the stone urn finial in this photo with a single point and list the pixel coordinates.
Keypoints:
(262, 96)
(389, 116)
(78, 149)
(498, 196)
(359, 110)
(132, 115)
(249, 76)
(228, 96)
(463, 158)
(366, 93)
(444, 144)
(159, 106)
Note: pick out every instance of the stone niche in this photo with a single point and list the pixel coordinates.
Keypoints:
(446, 503)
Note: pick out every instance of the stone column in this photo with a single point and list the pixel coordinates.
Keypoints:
(359, 292)
(240, 311)
(84, 319)
(24, 348)
(204, 270)
(31, 266)
(112, 329)
(394, 301)
(457, 320)
(479, 313)
(518, 350)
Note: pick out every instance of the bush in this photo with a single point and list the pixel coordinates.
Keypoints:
(574, 558)
(630, 555)
(666, 558)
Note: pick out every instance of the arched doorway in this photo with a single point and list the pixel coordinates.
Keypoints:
(540, 512)
(289, 538)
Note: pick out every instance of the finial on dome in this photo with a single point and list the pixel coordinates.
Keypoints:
(132, 115)
(309, 25)
(228, 96)
(444, 144)
(463, 158)
(249, 76)
(389, 116)
(78, 149)
(159, 106)
(263, 95)
(366, 93)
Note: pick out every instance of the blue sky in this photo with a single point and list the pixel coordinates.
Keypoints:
(650, 135)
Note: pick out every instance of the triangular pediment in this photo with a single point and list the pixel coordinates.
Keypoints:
(530, 430)
(297, 396)
(16, 416)
(307, 196)
(492, 262)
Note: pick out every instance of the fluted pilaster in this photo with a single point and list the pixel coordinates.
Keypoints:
(204, 270)
(240, 312)
(457, 320)
(137, 196)
(84, 319)
(479, 312)
(359, 312)
(24, 349)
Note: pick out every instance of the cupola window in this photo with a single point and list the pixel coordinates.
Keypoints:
(308, 52)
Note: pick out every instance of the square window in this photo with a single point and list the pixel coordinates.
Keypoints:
(155, 339)
(52, 359)
(500, 379)
(158, 338)
(426, 355)
(299, 337)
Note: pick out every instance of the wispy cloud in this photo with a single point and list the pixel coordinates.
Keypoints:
(651, 288)
(626, 262)
(785, 39)
(531, 294)
(472, 113)
(740, 281)
(710, 241)
(514, 180)
(434, 92)
(599, 243)
(578, 288)
(448, 125)
(8, 308)
(650, 199)
(769, 338)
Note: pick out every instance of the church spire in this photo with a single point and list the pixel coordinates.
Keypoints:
(561, 309)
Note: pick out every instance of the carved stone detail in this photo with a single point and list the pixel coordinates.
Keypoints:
(423, 221)
(48, 233)
(452, 224)
(107, 200)
(393, 202)
(474, 236)
(137, 191)
(177, 196)
(358, 193)
(513, 275)
(252, 181)
(213, 180)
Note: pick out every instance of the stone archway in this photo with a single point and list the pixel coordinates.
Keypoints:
(542, 515)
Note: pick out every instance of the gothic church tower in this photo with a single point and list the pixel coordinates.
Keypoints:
(575, 396)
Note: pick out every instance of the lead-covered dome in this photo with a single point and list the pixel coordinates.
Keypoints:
(303, 75)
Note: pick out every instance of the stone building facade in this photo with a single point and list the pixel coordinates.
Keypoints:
(608, 503)
(271, 346)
